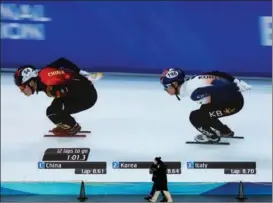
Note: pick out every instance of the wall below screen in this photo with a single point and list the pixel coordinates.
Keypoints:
(138, 37)
(66, 188)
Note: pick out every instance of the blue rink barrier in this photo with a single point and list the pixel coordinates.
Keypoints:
(140, 37)
(133, 188)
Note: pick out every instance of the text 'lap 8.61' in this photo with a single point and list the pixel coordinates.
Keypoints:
(71, 158)
(235, 168)
(172, 167)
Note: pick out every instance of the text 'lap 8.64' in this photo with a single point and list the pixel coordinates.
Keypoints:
(172, 167)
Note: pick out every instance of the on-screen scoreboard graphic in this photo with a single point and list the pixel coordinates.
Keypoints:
(76, 158)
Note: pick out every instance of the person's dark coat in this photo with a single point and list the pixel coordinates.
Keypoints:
(161, 181)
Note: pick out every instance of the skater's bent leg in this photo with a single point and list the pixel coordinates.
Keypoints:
(200, 121)
(82, 98)
(219, 110)
(216, 111)
(58, 115)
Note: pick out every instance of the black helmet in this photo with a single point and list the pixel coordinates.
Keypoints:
(24, 74)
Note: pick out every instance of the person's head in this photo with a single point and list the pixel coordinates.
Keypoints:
(172, 79)
(157, 160)
(25, 78)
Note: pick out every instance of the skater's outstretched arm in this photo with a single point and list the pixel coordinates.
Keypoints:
(243, 86)
(67, 64)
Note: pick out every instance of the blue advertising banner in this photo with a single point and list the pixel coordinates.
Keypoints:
(140, 37)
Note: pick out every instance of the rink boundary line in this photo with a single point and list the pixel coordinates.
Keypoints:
(10, 70)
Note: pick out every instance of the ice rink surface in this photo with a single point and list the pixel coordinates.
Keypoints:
(133, 120)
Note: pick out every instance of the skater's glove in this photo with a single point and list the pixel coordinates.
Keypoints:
(91, 76)
(56, 91)
(243, 86)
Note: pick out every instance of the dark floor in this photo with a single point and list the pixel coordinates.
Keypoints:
(34, 198)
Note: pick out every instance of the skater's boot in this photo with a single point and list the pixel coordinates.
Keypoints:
(214, 138)
(64, 130)
(208, 136)
(201, 138)
(75, 129)
(226, 132)
(207, 139)
(59, 131)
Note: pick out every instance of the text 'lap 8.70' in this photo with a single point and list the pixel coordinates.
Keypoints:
(234, 168)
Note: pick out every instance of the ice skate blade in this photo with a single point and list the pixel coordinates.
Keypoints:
(208, 143)
(82, 131)
(66, 136)
(234, 137)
